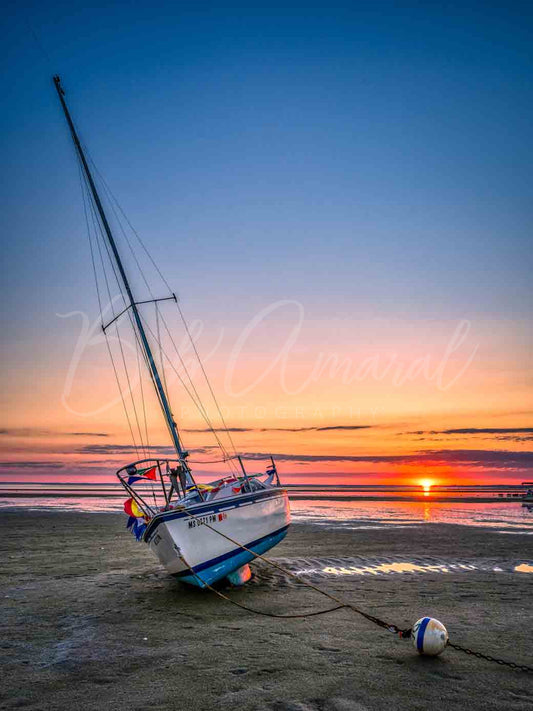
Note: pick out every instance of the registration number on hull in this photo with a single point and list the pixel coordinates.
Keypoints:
(202, 520)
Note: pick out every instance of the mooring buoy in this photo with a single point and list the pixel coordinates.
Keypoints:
(429, 636)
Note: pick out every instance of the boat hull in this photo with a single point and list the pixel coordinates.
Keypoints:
(189, 546)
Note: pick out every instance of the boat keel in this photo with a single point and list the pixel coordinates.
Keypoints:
(240, 576)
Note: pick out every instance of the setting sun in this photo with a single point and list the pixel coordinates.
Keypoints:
(426, 484)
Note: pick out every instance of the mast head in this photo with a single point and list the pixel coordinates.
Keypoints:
(57, 82)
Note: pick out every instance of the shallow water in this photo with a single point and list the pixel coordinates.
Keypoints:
(506, 517)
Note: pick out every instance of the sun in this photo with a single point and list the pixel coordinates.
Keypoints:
(426, 484)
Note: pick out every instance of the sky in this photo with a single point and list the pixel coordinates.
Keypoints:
(340, 196)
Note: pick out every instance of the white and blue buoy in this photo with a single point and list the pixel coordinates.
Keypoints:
(429, 636)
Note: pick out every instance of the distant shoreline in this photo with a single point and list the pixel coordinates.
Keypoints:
(420, 498)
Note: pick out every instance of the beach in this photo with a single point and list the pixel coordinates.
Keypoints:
(91, 621)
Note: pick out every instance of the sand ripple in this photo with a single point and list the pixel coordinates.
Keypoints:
(316, 568)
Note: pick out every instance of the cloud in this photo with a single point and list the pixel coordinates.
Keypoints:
(476, 430)
(130, 449)
(124, 449)
(502, 459)
(327, 428)
(484, 457)
(327, 457)
(31, 465)
(501, 434)
(221, 429)
(33, 432)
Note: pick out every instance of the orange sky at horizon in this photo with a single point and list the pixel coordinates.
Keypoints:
(375, 409)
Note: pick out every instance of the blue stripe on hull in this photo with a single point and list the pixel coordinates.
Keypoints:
(218, 568)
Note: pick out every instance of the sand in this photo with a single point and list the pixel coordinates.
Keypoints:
(91, 621)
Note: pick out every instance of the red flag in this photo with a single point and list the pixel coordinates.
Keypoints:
(148, 473)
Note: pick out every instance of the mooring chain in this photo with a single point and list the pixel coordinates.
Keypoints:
(403, 634)
(488, 658)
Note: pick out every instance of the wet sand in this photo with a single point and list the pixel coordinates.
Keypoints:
(91, 621)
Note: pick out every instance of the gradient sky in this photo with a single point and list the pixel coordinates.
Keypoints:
(365, 166)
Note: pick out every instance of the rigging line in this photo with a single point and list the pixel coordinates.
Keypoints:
(110, 194)
(84, 188)
(110, 199)
(154, 264)
(95, 274)
(122, 351)
(198, 401)
(195, 398)
(98, 231)
(142, 394)
(117, 378)
(198, 404)
(150, 370)
(158, 314)
(208, 461)
(158, 330)
(158, 338)
(206, 378)
(148, 364)
(126, 371)
(184, 321)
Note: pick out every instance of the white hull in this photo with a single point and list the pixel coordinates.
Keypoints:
(188, 548)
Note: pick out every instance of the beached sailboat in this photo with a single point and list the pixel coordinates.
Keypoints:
(201, 533)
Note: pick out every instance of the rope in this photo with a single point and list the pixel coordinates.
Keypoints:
(226, 428)
(98, 228)
(84, 184)
(139, 371)
(161, 361)
(208, 461)
(198, 403)
(341, 604)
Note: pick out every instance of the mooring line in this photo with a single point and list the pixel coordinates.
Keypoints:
(406, 633)
(341, 604)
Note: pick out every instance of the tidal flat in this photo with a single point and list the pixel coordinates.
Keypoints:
(91, 621)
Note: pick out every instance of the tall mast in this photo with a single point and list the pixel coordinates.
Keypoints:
(165, 405)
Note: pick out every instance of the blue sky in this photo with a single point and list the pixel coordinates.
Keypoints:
(386, 145)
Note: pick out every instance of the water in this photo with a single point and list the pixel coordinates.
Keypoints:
(333, 508)
(505, 517)
(345, 507)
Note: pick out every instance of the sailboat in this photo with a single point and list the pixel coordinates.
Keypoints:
(201, 533)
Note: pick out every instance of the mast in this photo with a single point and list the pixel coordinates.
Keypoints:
(163, 400)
